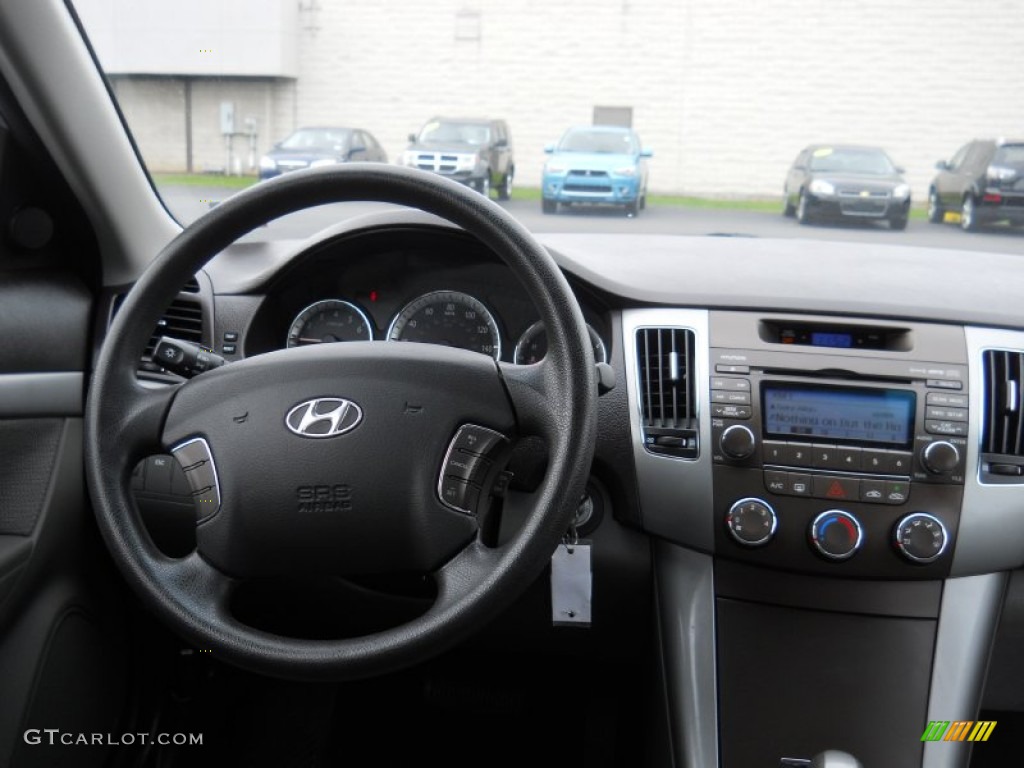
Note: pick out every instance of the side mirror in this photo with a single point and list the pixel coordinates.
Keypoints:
(412, 138)
(900, 169)
(646, 153)
(356, 150)
(501, 143)
(942, 165)
(549, 148)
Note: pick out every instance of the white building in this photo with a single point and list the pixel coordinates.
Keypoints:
(724, 91)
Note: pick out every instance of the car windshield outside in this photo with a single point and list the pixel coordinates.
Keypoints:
(316, 139)
(600, 141)
(843, 160)
(721, 96)
(439, 131)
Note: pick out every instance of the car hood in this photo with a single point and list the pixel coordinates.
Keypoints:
(451, 147)
(866, 180)
(593, 161)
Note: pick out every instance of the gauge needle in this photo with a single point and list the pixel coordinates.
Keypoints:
(310, 341)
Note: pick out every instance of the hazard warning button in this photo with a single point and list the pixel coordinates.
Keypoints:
(836, 488)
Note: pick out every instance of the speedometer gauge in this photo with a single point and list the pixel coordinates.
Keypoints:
(450, 318)
(533, 345)
(328, 321)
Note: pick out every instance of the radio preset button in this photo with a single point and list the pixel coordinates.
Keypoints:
(848, 458)
(824, 456)
(773, 452)
(896, 462)
(797, 455)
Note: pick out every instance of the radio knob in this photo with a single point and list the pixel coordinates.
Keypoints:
(751, 522)
(940, 457)
(836, 534)
(737, 442)
(921, 537)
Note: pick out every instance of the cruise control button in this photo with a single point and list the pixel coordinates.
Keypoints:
(458, 494)
(827, 487)
(797, 455)
(474, 439)
(872, 491)
(467, 466)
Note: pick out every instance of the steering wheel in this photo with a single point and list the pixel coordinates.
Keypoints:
(338, 459)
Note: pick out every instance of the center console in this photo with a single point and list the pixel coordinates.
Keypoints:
(831, 538)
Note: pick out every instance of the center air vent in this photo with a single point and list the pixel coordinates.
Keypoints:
(665, 360)
(1002, 433)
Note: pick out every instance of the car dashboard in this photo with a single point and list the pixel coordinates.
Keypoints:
(799, 476)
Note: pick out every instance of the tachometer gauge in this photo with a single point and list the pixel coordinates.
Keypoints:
(450, 318)
(328, 321)
(533, 345)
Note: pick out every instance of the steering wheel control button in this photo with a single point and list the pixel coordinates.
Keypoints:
(737, 442)
(921, 538)
(752, 522)
(836, 534)
(467, 465)
(196, 462)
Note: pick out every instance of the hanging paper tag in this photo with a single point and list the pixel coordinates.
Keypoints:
(570, 585)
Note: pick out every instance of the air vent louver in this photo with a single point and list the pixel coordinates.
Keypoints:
(182, 320)
(192, 286)
(1004, 401)
(665, 358)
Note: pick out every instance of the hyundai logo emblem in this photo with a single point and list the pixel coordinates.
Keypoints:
(324, 417)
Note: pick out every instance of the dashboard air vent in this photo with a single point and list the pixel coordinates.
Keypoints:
(182, 320)
(1002, 432)
(192, 286)
(665, 362)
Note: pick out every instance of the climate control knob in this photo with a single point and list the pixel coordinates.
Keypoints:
(940, 457)
(737, 442)
(921, 537)
(836, 535)
(751, 522)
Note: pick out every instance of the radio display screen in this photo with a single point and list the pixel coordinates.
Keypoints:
(839, 413)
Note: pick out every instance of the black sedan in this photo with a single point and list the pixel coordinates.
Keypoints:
(315, 147)
(837, 182)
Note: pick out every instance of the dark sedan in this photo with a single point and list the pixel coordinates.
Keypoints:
(315, 147)
(836, 182)
(982, 184)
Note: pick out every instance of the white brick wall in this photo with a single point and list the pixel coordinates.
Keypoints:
(726, 92)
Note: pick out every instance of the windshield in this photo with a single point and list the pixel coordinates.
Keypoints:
(457, 133)
(322, 139)
(221, 95)
(604, 142)
(866, 161)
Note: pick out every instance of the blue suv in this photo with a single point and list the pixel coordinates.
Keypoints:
(600, 164)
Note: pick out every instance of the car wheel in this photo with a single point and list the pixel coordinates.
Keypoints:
(803, 214)
(548, 206)
(935, 212)
(238, 416)
(505, 193)
(898, 223)
(484, 185)
(788, 209)
(643, 200)
(633, 208)
(968, 214)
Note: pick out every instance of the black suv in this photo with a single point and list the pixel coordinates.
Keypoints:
(474, 151)
(984, 183)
